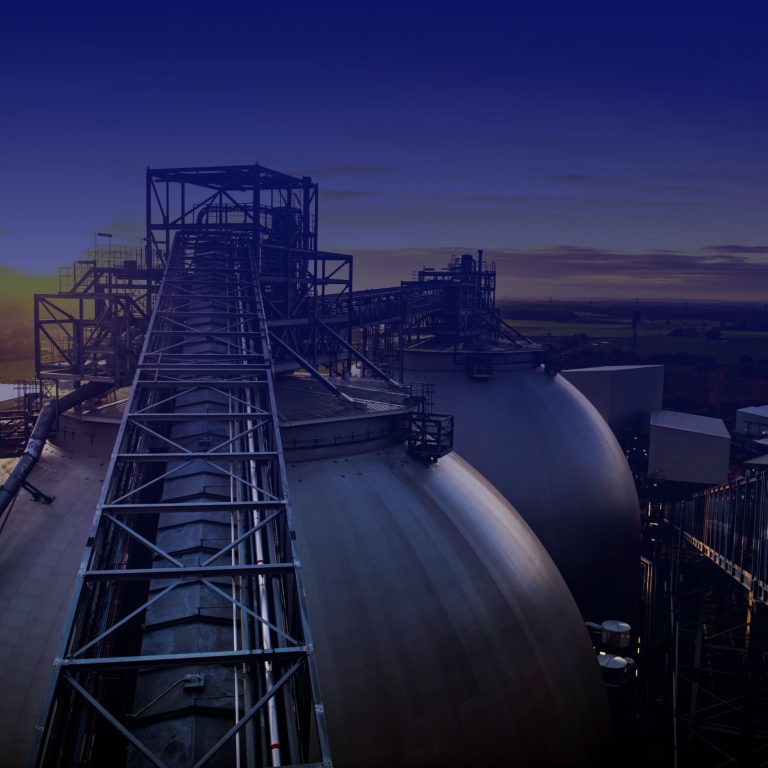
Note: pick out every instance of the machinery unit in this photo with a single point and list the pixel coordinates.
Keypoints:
(687, 448)
(752, 421)
(624, 395)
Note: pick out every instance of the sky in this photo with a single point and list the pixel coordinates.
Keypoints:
(592, 149)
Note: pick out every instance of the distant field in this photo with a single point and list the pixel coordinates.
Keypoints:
(727, 351)
(554, 328)
(16, 303)
(654, 339)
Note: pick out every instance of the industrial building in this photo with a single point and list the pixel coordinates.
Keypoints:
(624, 395)
(687, 448)
(758, 464)
(752, 421)
(289, 563)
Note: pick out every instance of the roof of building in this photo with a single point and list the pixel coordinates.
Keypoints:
(761, 460)
(755, 410)
(689, 422)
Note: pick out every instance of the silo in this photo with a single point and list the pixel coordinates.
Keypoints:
(444, 633)
(550, 453)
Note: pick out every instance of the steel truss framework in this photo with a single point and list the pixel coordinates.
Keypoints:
(93, 328)
(454, 307)
(305, 290)
(193, 537)
(721, 625)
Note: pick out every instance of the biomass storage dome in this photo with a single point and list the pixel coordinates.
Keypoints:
(444, 633)
(550, 453)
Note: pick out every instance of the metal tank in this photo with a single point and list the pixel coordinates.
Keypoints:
(443, 631)
(550, 453)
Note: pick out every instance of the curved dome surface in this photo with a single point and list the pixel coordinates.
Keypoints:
(444, 633)
(551, 454)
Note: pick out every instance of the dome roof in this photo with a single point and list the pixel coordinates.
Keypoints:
(444, 633)
(551, 454)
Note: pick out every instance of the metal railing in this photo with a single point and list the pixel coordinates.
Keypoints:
(729, 525)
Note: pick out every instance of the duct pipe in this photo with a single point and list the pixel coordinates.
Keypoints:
(36, 442)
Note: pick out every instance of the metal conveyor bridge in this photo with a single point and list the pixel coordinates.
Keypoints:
(188, 641)
(729, 526)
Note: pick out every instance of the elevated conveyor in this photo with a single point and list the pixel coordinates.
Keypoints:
(729, 526)
(188, 641)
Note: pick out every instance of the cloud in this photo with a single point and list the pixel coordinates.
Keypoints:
(576, 271)
(747, 249)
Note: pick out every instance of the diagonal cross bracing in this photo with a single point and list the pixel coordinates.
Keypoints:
(216, 667)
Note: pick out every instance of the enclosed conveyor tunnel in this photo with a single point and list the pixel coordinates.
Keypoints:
(189, 635)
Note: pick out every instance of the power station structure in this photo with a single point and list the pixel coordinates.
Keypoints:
(288, 564)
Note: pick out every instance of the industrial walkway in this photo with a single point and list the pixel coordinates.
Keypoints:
(729, 526)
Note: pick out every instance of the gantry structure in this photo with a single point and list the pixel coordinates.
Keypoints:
(93, 328)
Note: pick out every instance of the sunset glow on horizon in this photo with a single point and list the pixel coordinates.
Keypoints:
(591, 151)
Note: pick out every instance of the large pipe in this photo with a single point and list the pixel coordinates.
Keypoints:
(43, 425)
